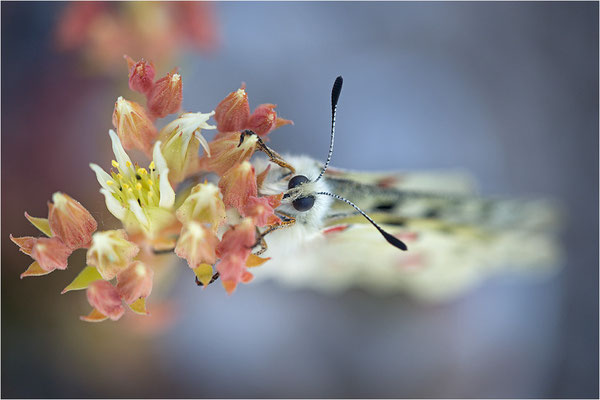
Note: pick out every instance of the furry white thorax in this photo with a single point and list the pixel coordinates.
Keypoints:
(308, 223)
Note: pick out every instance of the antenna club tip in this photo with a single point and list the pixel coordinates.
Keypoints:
(336, 90)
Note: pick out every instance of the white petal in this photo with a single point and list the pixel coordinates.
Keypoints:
(204, 125)
(159, 160)
(113, 205)
(120, 155)
(203, 142)
(102, 177)
(139, 213)
(176, 123)
(167, 194)
(185, 142)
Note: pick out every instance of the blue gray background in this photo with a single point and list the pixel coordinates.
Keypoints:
(508, 91)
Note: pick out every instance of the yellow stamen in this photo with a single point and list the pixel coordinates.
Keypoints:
(142, 171)
(152, 166)
(150, 183)
(119, 176)
(115, 164)
(109, 183)
(138, 186)
(128, 163)
(125, 186)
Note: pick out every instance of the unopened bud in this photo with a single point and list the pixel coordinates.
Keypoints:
(233, 111)
(237, 185)
(264, 119)
(141, 75)
(166, 96)
(227, 151)
(133, 125)
(70, 221)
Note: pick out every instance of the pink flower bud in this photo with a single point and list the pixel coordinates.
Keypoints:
(226, 152)
(105, 298)
(166, 96)
(233, 111)
(141, 75)
(50, 253)
(264, 119)
(70, 221)
(133, 125)
(197, 245)
(260, 209)
(234, 250)
(135, 282)
(237, 185)
(239, 239)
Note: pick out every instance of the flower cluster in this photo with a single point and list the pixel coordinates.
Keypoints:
(100, 32)
(213, 226)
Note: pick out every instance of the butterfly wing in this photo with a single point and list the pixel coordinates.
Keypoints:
(466, 239)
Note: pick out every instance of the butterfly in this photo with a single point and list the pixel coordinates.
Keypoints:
(425, 233)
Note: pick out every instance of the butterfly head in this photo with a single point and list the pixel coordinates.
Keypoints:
(303, 193)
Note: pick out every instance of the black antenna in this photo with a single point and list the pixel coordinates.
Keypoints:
(335, 95)
(394, 241)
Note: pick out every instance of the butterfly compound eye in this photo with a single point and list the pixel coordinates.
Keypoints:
(304, 203)
(297, 181)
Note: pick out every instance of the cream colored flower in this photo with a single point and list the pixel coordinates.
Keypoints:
(203, 205)
(142, 199)
(111, 252)
(181, 140)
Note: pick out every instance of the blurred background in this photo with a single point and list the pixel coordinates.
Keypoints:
(508, 91)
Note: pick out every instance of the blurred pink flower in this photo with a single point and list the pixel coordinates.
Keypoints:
(103, 31)
(105, 298)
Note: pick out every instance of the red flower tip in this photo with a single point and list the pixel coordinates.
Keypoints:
(229, 286)
(135, 282)
(105, 298)
(141, 75)
(264, 119)
(50, 253)
(233, 111)
(25, 243)
(166, 96)
(70, 221)
(130, 62)
(238, 185)
(247, 277)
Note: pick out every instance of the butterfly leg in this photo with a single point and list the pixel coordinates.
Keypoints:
(272, 154)
(288, 221)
